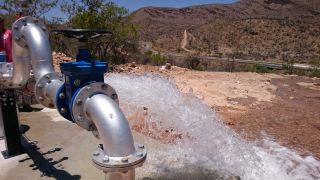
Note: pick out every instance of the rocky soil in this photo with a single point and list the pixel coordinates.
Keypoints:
(283, 107)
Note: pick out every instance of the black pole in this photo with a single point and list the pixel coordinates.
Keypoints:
(10, 124)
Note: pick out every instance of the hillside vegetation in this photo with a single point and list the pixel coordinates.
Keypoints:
(251, 29)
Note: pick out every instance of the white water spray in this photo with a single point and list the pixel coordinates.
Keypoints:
(209, 149)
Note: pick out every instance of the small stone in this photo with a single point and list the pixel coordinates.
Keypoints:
(168, 66)
(133, 65)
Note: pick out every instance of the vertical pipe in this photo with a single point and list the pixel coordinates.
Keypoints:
(129, 175)
(39, 49)
(21, 66)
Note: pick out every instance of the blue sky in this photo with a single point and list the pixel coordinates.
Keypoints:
(133, 5)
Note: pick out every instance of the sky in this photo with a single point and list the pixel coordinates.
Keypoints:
(133, 5)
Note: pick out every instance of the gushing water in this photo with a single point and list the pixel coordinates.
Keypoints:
(208, 149)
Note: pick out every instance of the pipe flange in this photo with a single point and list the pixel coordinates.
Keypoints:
(82, 95)
(40, 88)
(18, 26)
(116, 164)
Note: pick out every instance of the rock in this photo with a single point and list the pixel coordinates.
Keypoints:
(133, 65)
(167, 66)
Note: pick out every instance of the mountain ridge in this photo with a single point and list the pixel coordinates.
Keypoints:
(246, 19)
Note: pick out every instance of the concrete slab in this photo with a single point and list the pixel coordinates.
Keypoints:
(61, 146)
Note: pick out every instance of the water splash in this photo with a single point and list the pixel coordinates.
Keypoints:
(211, 149)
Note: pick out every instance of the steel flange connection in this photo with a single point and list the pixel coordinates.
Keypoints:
(119, 164)
(81, 97)
(40, 89)
(24, 22)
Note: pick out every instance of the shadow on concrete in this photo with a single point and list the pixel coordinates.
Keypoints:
(44, 164)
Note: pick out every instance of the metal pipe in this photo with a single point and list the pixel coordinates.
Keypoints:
(39, 49)
(112, 125)
(114, 131)
(32, 46)
(129, 175)
(21, 66)
(51, 89)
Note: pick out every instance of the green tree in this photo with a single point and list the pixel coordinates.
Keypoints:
(103, 14)
(37, 8)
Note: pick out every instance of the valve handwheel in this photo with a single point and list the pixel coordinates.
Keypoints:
(83, 34)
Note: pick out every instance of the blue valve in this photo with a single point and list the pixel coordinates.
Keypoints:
(77, 75)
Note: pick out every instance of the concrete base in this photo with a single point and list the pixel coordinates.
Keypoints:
(57, 147)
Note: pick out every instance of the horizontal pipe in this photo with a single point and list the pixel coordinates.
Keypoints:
(51, 89)
(112, 125)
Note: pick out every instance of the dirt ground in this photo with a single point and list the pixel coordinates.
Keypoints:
(282, 107)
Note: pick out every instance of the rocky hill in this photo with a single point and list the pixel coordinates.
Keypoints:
(254, 29)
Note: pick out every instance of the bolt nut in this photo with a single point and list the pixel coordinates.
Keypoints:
(80, 118)
(78, 101)
(63, 110)
(141, 146)
(62, 96)
(140, 154)
(41, 98)
(124, 160)
(77, 82)
(96, 153)
(105, 159)
(88, 88)
(48, 76)
(40, 86)
(114, 96)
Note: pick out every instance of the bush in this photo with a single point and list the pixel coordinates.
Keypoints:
(258, 68)
(154, 59)
(194, 63)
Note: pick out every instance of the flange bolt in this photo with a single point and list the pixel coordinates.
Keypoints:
(105, 159)
(124, 160)
(62, 96)
(63, 110)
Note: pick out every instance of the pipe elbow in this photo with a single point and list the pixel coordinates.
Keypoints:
(37, 41)
(112, 125)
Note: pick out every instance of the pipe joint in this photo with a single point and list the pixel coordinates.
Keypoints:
(119, 164)
(47, 87)
(19, 27)
(78, 114)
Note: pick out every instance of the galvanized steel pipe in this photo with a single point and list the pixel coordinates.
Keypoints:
(114, 131)
(21, 66)
(39, 49)
(112, 125)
